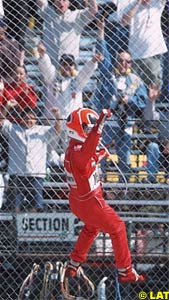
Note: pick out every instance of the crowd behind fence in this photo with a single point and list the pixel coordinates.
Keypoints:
(114, 56)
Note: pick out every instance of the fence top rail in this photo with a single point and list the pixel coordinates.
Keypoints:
(50, 184)
(117, 202)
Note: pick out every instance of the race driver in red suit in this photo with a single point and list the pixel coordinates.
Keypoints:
(86, 198)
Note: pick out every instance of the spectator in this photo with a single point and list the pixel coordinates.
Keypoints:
(125, 94)
(146, 44)
(63, 27)
(16, 13)
(15, 96)
(157, 159)
(158, 152)
(64, 85)
(18, 94)
(116, 35)
(27, 157)
(19, 15)
(10, 55)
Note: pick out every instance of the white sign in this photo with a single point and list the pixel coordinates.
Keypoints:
(48, 227)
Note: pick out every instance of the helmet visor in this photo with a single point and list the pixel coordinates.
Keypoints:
(88, 127)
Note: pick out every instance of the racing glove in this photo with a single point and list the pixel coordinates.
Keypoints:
(105, 113)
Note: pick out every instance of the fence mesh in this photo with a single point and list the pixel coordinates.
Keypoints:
(54, 57)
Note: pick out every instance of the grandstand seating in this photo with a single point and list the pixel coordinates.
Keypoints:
(86, 51)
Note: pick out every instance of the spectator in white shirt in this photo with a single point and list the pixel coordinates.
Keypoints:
(27, 156)
(63, 27)
(146, 44)
(64, 85)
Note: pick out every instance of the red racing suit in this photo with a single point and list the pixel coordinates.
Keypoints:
(87, 202)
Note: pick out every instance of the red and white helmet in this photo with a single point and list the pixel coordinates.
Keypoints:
(80, 122)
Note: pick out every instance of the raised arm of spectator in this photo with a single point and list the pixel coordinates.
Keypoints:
(87, 71)
(104, 66)
(125, 15)
(93, 7)
(105, 88)
(86, 15)
(46, 67)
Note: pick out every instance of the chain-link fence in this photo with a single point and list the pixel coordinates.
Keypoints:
(56, 54)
